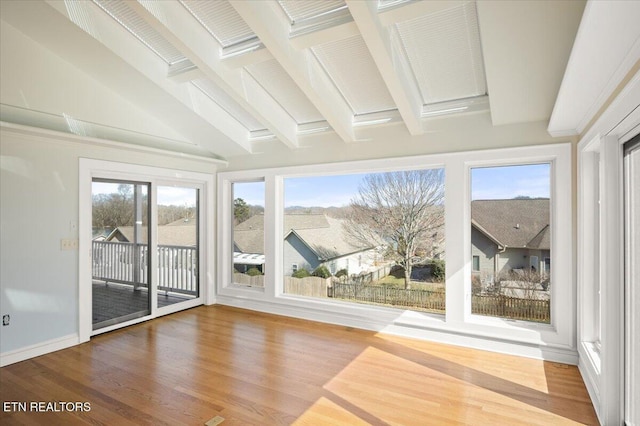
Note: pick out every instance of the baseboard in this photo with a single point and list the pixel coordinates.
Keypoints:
(11, 357)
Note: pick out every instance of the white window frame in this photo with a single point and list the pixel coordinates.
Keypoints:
(601, 344)
(555, 341)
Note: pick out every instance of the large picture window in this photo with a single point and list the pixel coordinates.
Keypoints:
(363, 244)
(374, 238)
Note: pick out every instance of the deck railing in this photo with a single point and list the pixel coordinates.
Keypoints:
(127, 263)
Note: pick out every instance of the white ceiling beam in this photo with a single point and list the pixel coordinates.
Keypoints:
(325, 35)
(181, 29)
(186, 76)
(92, 19)
(404, 92)
(249, 58)
(413, 9)
(608, 31)
(269, 24)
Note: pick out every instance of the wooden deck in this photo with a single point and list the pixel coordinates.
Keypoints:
(116, 300)
(259, 369)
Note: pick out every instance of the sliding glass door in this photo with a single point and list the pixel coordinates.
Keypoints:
(178, 245)
(120, 250)
(145, 250)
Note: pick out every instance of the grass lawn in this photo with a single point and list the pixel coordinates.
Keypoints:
(392, 281)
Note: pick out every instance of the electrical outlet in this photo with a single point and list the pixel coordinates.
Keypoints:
(68, 244)
(6, 319)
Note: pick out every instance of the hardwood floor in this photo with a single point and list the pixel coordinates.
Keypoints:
(259, 369)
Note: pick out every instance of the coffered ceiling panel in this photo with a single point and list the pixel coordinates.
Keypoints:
(445, 54)
(300, 10)
(352, 69)
(128, 18)
(221, 20)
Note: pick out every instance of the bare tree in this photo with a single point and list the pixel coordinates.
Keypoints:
(402, 209)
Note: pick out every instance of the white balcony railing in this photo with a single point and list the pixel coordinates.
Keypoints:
(127, 263)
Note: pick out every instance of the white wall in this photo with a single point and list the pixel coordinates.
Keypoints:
(39, 207)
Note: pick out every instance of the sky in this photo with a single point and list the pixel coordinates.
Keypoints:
(499, 183)
(487, 183)
(167, 195)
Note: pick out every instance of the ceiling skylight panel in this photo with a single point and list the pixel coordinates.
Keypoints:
(300, 10)
(275, 80)
(354, 72)
(444, 53)
(221, 20)
(386, 4)
(128, 18)
(226, 102)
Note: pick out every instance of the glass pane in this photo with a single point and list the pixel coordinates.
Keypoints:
(120, 271)
(177, 245)
(511, 238)
(248, 233)
(375, 238)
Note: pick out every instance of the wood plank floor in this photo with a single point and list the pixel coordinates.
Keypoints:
(259, 369)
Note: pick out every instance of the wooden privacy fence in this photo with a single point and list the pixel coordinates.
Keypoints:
(428, 300)
(308, 286)
(244, 279)
(511, 307)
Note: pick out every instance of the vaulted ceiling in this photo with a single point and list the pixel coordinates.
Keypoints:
(217, 77)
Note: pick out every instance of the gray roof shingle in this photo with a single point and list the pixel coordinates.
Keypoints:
(324, 235)
(514, 223)
(179, 233)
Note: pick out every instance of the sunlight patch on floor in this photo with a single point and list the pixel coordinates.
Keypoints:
(530, 373)
(324, 411)
(404, 398)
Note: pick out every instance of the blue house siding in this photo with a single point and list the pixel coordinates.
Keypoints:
(297, 252)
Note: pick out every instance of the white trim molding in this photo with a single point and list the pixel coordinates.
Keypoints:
(11, 357)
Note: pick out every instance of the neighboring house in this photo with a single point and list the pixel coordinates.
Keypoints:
(310, 240)
(181, 232)
(509, 235)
